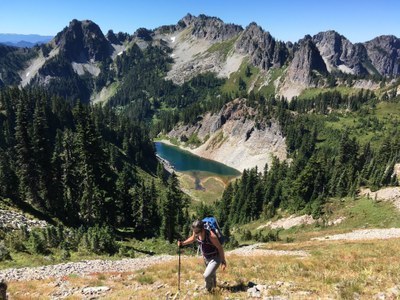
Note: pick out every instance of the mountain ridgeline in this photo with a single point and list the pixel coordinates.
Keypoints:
(315, 61)
(326, 99)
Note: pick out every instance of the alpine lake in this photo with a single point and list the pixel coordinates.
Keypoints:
(203, 179)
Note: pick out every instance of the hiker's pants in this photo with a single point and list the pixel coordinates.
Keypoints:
(210, 274)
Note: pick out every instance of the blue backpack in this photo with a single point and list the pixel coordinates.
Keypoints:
(211, 224)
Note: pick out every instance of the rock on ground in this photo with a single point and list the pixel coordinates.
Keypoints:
(81, 268)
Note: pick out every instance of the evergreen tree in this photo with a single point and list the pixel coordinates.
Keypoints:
(71, 178)
(25, 165)
(126, 180)
(172, 210)
(41, 152)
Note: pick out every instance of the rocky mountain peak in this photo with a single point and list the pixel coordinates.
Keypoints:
(210, 28)
(339, 53)
(307, 59)
(112, 38)
(83, 41)
(384, 53)
(264, 50)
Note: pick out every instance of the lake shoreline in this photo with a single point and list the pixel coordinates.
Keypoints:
(201, 178)
(194, 152)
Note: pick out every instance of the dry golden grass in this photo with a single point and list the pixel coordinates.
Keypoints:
(336, 269)
(213, 186)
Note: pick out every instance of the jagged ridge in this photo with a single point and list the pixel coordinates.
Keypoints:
(193, 41)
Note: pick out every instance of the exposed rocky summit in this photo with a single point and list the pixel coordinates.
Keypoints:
(384, 54)
(210, 28)
(83, 41)
(319, 56)
(265, 52)
(340, 54)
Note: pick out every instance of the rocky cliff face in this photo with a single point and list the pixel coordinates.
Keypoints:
(340, 54)
(307, 59)
(234, 138)
(264, 51)
(83, 41)
(384, 54)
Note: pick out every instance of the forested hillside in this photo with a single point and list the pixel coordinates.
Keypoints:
(83, 165)
(345, 143)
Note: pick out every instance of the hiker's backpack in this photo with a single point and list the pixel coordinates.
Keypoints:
(211, 224)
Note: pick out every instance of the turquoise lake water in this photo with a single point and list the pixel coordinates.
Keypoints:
(184, 161)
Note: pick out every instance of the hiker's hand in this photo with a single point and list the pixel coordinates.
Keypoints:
(223, 263)
(180, 244)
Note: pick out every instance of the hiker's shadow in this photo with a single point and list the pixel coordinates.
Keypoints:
(236, 288)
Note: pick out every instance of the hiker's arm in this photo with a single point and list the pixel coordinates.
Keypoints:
(217, 244)
(188, 241)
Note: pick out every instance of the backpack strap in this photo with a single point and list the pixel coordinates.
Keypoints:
(207, 245)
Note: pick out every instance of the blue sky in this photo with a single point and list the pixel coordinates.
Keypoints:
(358, 20)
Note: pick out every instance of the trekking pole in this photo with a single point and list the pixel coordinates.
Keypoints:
(179, 269)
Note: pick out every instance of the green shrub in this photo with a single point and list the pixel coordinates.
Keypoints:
(4, 252)
(269, 236)
(126, 251)
(99, 240)
(145, 279)
(15, 241)
(36, 244)
(65, 254)
(246, 235)
(232, 243)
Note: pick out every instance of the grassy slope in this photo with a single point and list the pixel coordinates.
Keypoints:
(232, 84)
(223, 47)
(261, 82)
(358, 213)
(313, 92)
(387, 113)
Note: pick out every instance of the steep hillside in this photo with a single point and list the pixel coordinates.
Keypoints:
(76, 63)
(12, 60)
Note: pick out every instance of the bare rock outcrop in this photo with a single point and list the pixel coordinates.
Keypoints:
(340, 54)
(307, 59)
(210, 28)
(10, 220)
(384, 54)
(265, 52)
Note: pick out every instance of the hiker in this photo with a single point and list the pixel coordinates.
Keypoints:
(211, 249)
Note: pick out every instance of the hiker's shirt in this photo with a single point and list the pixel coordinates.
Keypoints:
(208, 250)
